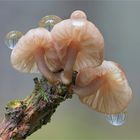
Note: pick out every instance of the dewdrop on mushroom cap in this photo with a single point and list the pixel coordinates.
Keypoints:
(107, 91)
(12, 38)
(49, 21)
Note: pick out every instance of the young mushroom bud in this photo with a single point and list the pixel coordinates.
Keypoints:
(78, 44)
(104, 88)
(35, 51)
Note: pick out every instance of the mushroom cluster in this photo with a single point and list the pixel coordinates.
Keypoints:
(75, 44)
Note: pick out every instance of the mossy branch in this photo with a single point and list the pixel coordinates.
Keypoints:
(24, 117)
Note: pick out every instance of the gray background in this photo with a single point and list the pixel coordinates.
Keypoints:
(119, 21)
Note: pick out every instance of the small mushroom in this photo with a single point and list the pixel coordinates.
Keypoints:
(35, 51)
(104, 88)
(78, 44)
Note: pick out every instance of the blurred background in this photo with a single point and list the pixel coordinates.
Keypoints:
(119, 22)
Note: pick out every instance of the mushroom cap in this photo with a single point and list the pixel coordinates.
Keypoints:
(113, 95)
(35, 40)
(89, 39)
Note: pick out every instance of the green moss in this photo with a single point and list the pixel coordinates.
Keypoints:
(14, 104)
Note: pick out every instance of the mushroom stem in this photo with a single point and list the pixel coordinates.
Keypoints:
(71, 58)
(43, 68)
(89, 89)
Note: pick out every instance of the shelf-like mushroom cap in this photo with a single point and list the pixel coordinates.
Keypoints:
(107, 90)
(85, 37)
(35, 41)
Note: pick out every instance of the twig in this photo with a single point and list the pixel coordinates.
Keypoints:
(24, 117)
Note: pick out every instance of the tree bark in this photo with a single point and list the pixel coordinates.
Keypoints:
(24, 117)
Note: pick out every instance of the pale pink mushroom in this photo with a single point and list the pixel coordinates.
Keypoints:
(104, 88)
(78, 43)
(35, 51)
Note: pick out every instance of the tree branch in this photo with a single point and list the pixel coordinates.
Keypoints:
(24, 117)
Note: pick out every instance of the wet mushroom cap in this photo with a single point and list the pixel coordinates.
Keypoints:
(88, 39)
(34, 41)
(109, 91)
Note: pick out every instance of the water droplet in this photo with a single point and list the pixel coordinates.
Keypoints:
(116, 119)
(49, 21)
(12, 38)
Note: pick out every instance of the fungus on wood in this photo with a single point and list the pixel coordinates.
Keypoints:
(69, 55)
